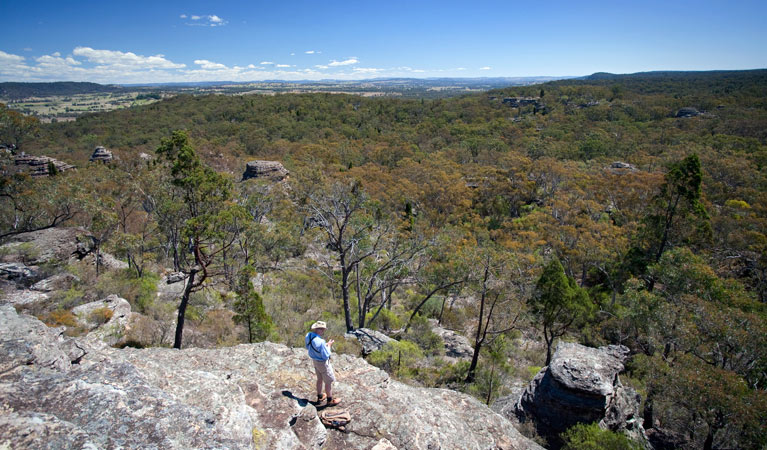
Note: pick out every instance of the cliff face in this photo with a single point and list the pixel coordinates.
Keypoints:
(80, 393)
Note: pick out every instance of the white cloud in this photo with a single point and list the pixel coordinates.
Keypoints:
(460, 68)
(309, 52)
(345, 62)
(251, 66)
(283, 65)
(205, 20)
(485, 68)
(367, 70)
(8, 58)
(117, 58)
(209, 65)
(293, 54)
(266, 63)
(55, 59)
(320, 66)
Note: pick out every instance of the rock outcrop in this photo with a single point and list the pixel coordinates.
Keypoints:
(56, 245)
(456, 345)
(687, 112)
(62, 393)
(101, 154)
(18, 273)
(40, 166)
(622, 166)
(267, 170)
(107, 319)
(50, 245)
(581, 385)
(370, 340)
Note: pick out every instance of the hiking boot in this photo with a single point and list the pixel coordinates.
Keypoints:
(333, 401)
(321, 397)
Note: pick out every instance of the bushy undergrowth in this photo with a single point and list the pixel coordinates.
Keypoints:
(593, 437)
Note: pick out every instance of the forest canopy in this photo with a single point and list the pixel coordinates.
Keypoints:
(637, 202)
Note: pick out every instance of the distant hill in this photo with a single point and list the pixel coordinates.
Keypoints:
(678, 75)
(16, 91)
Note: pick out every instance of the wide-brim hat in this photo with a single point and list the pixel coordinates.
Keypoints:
(319, 324)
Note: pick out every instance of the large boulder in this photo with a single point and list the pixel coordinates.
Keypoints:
(687, 112)
(48, 245)
(370, 340)
(19, 273)
(248, 396)
(40, 166)
(101, 154)
(456, 346)
(106, 319)
(268, 170)
(581, 385)
(57, 246)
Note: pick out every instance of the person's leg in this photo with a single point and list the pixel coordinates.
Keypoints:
(330, 377)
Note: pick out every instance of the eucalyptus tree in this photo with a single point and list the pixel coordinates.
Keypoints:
(202, 217)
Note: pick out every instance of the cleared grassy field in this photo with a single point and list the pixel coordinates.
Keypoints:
(67, 108)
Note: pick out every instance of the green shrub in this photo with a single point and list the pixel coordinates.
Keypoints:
(533, 371)
(27, 252)
(140, 292)
(397, 357)
(592, 437)
(343, 346)
(70, 298)
(386, 320)
(420, 332)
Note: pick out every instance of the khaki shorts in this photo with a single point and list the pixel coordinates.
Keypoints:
(324, 371)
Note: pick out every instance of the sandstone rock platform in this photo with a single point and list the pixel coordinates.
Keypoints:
(70, 393)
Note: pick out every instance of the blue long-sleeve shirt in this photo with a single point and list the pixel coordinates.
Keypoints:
(317, 347)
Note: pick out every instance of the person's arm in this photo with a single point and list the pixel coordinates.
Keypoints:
(325, 349)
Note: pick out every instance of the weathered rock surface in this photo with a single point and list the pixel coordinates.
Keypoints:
(113, 331)
(622, 165)
(370, 340)
(174, 277)
(456, 345)
(58, 282)
(25, 341)
(56, 245)
(19, 273)
(581, 385)
(39, 166)
(687, 112)
(49, 245)
(269, 170)
(101, 154)
(248, 396)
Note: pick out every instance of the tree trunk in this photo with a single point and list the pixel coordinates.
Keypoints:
(182, 309)
(345, 295)
(479, 338)
(490, 386)
(549, 343)
(708, 444)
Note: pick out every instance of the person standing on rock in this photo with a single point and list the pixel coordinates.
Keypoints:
(319, 352)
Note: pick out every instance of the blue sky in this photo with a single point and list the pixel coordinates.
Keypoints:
(118, 41)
